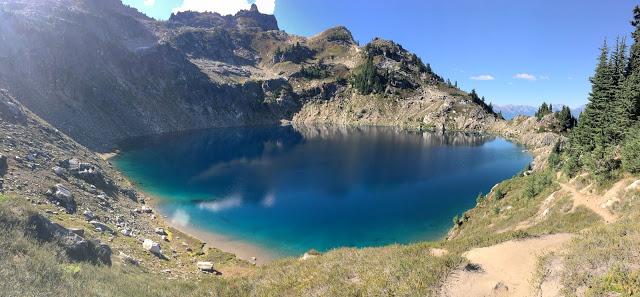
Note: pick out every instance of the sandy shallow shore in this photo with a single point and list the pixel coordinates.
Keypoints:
(241, 249)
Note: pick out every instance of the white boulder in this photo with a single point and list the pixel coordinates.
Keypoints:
(205, 266)
(151, 246)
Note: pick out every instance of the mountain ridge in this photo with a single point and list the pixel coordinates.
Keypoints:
(103, 72)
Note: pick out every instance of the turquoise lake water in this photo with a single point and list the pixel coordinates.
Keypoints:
(290, 189)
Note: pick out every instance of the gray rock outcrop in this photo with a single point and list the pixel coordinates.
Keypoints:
(62, 195)
(76, 247)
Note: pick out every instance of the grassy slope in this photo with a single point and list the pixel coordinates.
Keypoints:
(602, 256)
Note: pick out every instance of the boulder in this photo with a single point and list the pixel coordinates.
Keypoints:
(102, 227)
(126, 259)
(131, 193)
(205, 266)
(634, 186)
(76, 247)
(89, 215)
(152, 246)
(60, 194)
(310, 254)
(4, 165)
(126, 232)
(59, 171)
(95, 177)
(78, 231)
(103, 253)
(88, 173)
(9, 110)
(160, 231)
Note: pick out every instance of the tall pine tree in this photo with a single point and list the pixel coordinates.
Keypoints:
(594, 121)
(620, 112)
(630, 90)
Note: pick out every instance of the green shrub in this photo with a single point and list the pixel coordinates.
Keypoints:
(498, 195)
(571, 166)
(602, 164)
(631, 151)
(536, 183)
(618, 282)
(554, 158)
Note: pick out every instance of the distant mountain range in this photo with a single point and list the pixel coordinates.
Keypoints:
(509, 111)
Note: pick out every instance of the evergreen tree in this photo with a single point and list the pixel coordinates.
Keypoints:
(543, 110)
(630, 90)
(591, 143)
(565, 119)
(474, 95)
(594, 122)
(631, 151)
(366, 78)
(621, 113)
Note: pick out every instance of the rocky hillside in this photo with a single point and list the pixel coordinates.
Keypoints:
(102, 72)
(81, 203)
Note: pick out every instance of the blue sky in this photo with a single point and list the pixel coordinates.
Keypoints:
(511, 52)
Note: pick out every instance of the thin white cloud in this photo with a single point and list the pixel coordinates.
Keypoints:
(225, 7)
(149, 2)
(483, 77)
(544, 77)
(525, 76)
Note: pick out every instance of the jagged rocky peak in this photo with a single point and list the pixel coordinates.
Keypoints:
(244, 19)
(339, 34)
(393, 57)
(253, 18)
(387, 49)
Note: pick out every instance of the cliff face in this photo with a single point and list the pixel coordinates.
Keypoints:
(102, 72)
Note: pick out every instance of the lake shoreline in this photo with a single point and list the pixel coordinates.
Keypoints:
(244, 249)
(241, 249)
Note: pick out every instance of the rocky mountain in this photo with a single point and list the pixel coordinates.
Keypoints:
(102, 72)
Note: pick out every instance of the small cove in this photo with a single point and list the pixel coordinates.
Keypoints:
(289, 189)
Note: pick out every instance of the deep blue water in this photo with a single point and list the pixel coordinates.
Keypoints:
(291, 189)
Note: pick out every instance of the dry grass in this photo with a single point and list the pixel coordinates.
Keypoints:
(601, 259)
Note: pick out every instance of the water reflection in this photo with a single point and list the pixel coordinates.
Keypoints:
(295, 188)
(218, 164)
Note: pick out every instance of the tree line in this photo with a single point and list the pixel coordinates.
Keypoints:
(607, 137)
